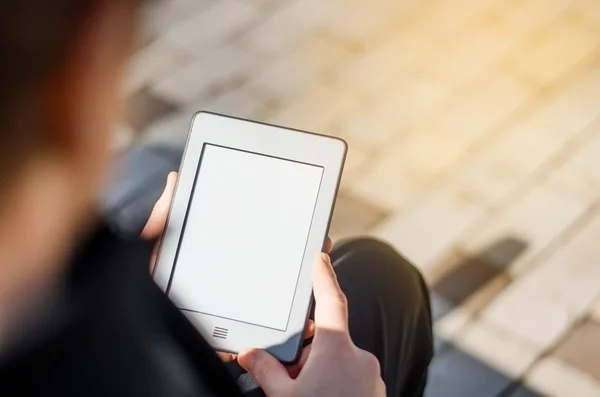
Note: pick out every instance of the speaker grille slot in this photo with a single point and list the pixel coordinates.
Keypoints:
(220, 333)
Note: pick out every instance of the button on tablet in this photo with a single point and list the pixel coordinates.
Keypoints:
(220, 333)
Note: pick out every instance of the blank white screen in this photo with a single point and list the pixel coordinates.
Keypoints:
(245, 236)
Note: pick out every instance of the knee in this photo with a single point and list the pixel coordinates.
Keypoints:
(370, 249)
(373, 271)
(377, 257)
(364, 243)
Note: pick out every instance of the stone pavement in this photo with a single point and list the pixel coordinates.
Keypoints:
(474, 133)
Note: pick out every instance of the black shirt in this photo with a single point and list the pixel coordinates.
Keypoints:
(112, 332)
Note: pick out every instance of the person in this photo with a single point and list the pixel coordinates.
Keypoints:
(79, 313)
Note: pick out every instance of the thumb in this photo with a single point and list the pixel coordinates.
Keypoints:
(269, 373)
(156, 223)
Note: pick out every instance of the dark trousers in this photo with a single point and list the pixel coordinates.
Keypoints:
(389, 313)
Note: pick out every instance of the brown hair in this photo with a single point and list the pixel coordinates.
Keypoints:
(35, 36)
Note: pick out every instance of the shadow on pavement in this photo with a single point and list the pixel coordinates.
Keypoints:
(453, 372)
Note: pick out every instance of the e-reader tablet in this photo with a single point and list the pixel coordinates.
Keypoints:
(250, 213)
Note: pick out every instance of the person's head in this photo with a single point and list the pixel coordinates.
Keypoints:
(62, 62)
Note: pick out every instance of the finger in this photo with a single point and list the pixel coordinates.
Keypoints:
(226, 357)
(294, 370)
(331, 310)
(156, 223)
(269, 373)
(328, 246)
(153, 258)
(309, 332)
(380, 388)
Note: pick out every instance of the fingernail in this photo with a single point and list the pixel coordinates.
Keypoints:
(246, 358)
(325, 258)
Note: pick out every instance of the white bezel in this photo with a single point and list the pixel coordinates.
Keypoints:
(319, 150)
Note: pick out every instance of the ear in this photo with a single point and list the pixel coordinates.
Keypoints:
(82, 101)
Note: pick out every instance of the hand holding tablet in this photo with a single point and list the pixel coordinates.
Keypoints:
(332, 365)
(250, 212)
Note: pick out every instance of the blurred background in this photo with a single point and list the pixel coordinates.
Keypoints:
(474, 148)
